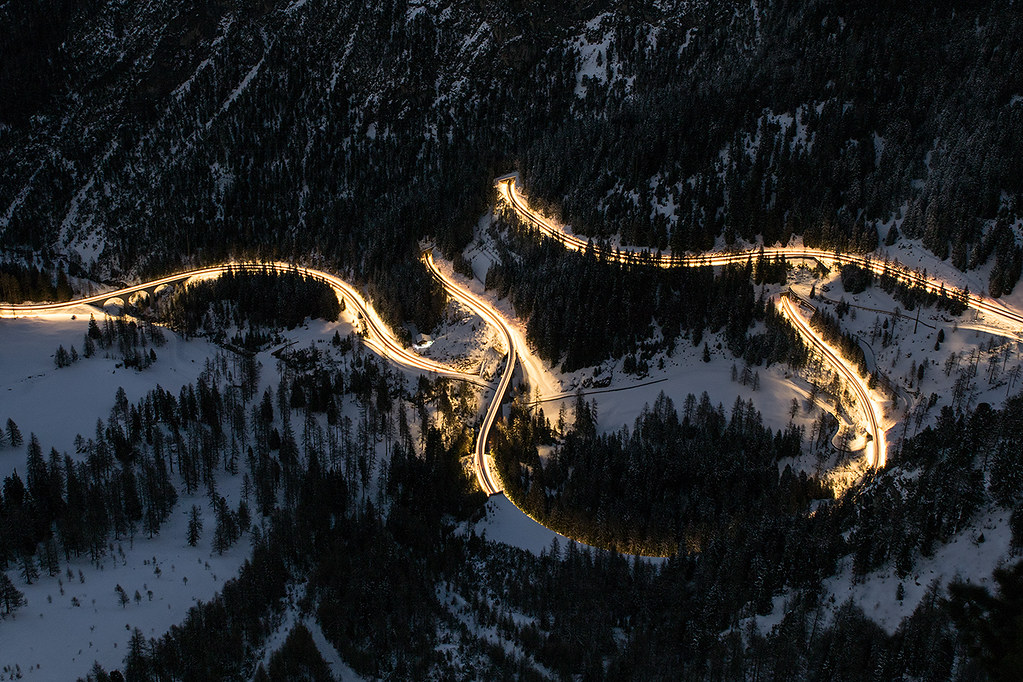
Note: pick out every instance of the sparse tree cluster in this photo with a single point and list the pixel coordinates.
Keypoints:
(251, 302)
(831, 331)
(19, 283)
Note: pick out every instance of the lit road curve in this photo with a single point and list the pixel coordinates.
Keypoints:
(876, 448)
(508, 190)
(378, 337)
(488, 481)
(873, 413)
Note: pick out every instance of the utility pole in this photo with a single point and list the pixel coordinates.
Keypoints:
(917, 323)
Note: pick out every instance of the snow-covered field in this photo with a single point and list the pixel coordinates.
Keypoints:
(504, 522)
(972, 555)
(58, 404)
(685, 372)
(340, 670)
(76, 618)
(463, 341)
(70, 622)
(969, 341)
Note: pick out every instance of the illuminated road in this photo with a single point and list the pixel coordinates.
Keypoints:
(378, 336)
(380, 339)
(490, 483)
(876, 451)
(873, 413)
(509, 191)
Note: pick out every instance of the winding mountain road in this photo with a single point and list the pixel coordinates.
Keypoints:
(642, 256)
(490, 483)
(873, 412)
(378, 336)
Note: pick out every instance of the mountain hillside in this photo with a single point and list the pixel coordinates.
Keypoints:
(136, 135)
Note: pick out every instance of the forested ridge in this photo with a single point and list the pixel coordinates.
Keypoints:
(288, 132)
(810, 118)
(245, 308)
(673, 481)
(391, 597)
(342, 132)
(355, 496)
(680, 303)
(19, 283)
(141, 138)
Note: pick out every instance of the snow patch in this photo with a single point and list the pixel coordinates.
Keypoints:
(968, 556)
(67, 625)
(592, 56)
(58, 404)
(341, 671)
(504, 522)
(244, 84)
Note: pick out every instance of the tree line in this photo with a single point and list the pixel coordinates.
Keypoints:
(392, 602)
(262, 299)
(20, 283)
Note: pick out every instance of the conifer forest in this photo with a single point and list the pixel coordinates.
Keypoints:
(447, 340)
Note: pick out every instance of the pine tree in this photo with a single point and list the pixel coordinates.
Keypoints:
(136, 663)
(10, 596)
(50, 559)
(130, 501)
(36, 471)
(13, 434)
(226, 531)
(194, 526)
(122, 596)
(244, 516)
(64, 292)
(892, 236)
(28, 568)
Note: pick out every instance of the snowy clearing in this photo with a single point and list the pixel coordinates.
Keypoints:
(58, 404)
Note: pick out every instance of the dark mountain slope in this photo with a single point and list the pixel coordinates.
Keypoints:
(138, 135)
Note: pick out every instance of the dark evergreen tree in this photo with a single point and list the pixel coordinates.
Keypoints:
(11, 597)
(13, 434)
(194, 526)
